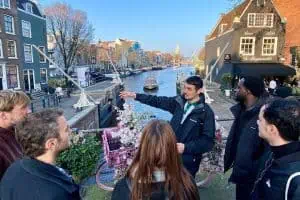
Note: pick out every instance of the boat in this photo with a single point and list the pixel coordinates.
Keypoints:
(150, 83)
(157, 68)
(176, 66)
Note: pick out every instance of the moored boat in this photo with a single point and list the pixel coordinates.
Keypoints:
(151, 83)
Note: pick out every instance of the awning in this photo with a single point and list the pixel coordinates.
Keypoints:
(262, 69)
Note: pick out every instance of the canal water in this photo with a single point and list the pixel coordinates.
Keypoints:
(167, 87)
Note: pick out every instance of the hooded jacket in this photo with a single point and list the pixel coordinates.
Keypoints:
(32, 179)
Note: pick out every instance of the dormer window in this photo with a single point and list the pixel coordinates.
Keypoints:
(260, 3)
(260, 20)
(222, 28)
(28, 7)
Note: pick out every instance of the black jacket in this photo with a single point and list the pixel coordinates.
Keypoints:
(123, 192)
(272, 179)
(32, 179)
(197, 131)
(244, 147)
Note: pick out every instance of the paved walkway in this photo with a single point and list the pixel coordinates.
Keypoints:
(67, 103)
(221, 106)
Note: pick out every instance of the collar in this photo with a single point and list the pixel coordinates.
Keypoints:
(199, 104)
(289, 158)
(49, 173)
(236, 109)
(158, 176)
(7, 130)
(284, 150)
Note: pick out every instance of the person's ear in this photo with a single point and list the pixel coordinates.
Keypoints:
(199, 91)
(51, 144)
(272, 129)
(3, 115)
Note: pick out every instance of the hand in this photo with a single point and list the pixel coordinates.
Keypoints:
(180, 148)
(126, 94)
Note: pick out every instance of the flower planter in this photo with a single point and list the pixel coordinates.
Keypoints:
(116, 155)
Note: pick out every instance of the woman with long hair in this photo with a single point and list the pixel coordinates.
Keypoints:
(156, 172)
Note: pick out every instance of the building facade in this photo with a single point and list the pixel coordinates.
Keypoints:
(252, 38)
(33, 32)
(11, 68)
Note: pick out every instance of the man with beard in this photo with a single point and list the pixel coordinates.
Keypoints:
(244, 146)
(42, 136)
(14, 106)
(193, 120)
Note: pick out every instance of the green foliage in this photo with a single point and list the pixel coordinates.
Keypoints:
(226, 81)
(57, 82)
(296, 91)
(94, 192)
(81, 159)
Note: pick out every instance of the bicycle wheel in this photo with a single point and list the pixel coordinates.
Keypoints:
(105, 177)
(203, 180)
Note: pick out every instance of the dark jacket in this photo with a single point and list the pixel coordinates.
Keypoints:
(122, 191)
(244, 147)
(272, 179)
(197, 131)
(10, 150)
(32, 179)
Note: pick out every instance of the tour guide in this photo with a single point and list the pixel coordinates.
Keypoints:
(193, 120)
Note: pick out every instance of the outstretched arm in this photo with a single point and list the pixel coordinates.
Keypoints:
(164, 103)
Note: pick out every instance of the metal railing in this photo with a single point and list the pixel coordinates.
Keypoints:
(47, 101)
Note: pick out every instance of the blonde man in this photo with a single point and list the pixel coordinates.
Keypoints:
(14, 106)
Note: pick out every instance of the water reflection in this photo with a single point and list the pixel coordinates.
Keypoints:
(167, 87)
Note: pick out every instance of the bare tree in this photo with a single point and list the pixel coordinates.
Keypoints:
(71, 30)
(234, 3)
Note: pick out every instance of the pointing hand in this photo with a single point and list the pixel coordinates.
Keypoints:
(127, 94)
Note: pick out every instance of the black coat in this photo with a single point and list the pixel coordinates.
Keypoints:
(123, 192)
(244, 147)
(32, 179)
(197, 131)
(272, 183)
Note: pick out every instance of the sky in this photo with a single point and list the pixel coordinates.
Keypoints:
(156, 24)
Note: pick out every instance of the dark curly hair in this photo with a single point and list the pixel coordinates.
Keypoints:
(33, 132)
(285, 115)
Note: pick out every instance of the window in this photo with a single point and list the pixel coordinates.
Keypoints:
(260, 2)
(1, 49)
(26, 29)
(247, 46)
(28, 7)
(11, 49)
(222, 27)
(9, 24)
(5, 3)
(260, 20)
(269, 19)
(12, 76)
(42, 58)
(28, 53)
(218, 51)
(269, 46)
(43, 73)
(51, 55)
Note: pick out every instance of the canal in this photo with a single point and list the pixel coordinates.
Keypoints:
(167, 87)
